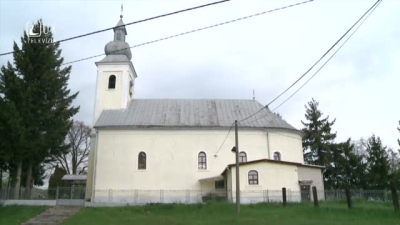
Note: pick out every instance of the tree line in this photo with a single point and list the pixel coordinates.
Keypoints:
(364, 163)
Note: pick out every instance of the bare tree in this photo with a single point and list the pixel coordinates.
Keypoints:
(75, 159)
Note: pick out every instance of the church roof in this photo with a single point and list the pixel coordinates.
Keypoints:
(190, 113)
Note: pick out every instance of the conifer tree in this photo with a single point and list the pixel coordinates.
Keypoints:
(318, 137)
(318, 140)
(377, 164)
(41, 100)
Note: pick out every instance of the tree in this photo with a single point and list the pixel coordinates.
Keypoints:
(318, 137)
(318, 140)
(38, 91)
(74, 161)
(378, 166)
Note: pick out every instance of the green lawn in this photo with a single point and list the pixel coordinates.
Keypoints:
(223, 213)
(17, 214)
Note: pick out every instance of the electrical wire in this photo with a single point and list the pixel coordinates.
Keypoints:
(323, 65)
(192, 31)
(326, 61)
(230, 128)
(302, 76)
(135, 22)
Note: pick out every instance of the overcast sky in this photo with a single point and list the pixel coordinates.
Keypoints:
(359, 86)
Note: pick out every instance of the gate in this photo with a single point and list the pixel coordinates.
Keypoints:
(70, 196)
(305, 193)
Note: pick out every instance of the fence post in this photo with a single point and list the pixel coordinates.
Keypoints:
(267, 196)
(394, 196)
(57, 191)
(284, 196)
(348, 196)
(315, 196)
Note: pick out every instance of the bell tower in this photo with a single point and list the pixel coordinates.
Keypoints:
(115, 74)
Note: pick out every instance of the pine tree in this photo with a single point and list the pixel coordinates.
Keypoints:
(318, 140)
(318, 137)
(378, 167)
(44, 100)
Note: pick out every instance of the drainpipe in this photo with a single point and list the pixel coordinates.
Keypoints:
(94, 166)
(269, 154)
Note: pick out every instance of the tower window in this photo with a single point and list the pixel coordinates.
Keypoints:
(111, 82)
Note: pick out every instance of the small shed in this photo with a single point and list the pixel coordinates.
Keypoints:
(75, 179)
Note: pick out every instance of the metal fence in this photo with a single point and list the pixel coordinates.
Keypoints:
(45, 194)
(139, 197)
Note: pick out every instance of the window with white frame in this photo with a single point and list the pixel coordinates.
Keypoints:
(202, 161)
(277, 156)
(253, 177)
(242, 157)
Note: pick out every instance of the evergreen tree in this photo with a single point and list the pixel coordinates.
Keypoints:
(378, 166)
(42, 100)
(353, 166)
(318, 140)
(318, 137)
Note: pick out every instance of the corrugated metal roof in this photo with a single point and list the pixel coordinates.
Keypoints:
(190, 113)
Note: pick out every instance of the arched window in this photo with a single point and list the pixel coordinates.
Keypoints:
(111, 82)
(142, 161)
(202, 161)
(242, 157)
(277, 156)
(253, 177)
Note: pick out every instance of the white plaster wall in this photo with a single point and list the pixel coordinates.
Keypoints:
(117, 98)
(314, 174)
(288, 144)
(172, 157)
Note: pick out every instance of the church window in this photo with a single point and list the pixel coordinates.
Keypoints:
(242, 157)
(118, 36)
(202, 161)
(111, 82)
(142, 161)
(253, 177)
(277, 156)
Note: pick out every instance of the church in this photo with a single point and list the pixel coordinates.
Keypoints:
(178, 150)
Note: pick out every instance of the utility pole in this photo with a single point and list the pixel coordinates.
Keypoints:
(237, 168)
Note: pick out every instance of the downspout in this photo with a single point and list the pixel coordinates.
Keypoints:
(95, 165)
(269, 153)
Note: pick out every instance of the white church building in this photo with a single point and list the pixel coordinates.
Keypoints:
(169, 150)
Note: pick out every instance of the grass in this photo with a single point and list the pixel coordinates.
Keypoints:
(16, 214)
(330, 213)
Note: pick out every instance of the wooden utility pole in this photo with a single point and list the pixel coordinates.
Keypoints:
(237, 168)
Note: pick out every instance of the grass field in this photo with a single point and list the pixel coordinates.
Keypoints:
(223, 213)
(11, 215)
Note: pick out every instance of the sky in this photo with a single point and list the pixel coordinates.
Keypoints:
(267, 53)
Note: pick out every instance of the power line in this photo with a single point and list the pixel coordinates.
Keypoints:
(327, 60)
(230, 128)
(301, 77)
(135, 22)
(195, 30)
(362, 22)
